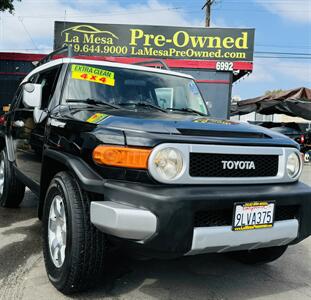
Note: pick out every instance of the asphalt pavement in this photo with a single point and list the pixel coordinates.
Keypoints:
(213, 276)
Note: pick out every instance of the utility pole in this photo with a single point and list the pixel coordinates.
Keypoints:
(208, 5)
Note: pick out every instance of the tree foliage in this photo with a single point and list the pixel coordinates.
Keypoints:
(7, 5)
(274, 92)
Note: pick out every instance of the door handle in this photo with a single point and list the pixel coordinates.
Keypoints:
(18, 123)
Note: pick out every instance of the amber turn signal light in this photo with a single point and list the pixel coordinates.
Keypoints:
(118, 156)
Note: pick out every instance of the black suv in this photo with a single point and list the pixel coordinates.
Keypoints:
(127, 156)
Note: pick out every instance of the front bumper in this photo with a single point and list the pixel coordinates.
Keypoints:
(123, 221)
(223, 239)
(160, 219)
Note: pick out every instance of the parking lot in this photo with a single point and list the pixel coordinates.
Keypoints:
(22, 274)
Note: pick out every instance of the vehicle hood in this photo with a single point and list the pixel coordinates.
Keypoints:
(198, 128)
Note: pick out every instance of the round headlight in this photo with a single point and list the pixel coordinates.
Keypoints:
(293, 165)
(168, 163)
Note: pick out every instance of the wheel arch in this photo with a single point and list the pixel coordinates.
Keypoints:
(55, 161)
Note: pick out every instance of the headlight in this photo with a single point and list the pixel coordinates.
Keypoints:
(168, 163)
(293, 165)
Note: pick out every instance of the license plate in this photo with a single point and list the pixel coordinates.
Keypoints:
(253, 215)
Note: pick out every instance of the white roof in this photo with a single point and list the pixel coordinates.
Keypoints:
(103, 63)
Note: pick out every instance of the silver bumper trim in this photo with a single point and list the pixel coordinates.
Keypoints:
(123, 221)
(223, 239)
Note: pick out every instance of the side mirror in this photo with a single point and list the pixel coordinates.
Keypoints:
(32, 95)
(39, 115)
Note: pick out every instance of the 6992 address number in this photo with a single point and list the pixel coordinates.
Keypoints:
(224, 66)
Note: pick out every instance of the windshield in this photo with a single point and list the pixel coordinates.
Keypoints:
(130, 88)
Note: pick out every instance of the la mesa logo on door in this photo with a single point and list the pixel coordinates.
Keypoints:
(238, 165)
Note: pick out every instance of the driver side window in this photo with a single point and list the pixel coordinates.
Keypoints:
(48, 80)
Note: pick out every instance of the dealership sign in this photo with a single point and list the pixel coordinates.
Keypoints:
(167, 42)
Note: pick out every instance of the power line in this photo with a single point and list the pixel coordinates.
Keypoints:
(284, 46)
(98, 15)
(255, 56)
(156, 10)
(282, 53)
(267, 2)
(284, 57)
(28, 33)
(263, 10)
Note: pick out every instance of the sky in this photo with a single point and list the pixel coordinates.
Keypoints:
(281, 26)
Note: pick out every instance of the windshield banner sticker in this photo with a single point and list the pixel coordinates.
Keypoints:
(92, 74)
(96, 118)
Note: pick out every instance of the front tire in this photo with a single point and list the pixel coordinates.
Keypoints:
(73, 248)
(258, 256)
(11, 189)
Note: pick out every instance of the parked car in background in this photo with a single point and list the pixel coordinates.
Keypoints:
(307, 146)
(296, 131)
(293, 133)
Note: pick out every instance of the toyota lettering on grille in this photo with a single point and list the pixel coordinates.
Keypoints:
(238, 165)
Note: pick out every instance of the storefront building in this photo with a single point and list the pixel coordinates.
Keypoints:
(215, 57)
(13, 68)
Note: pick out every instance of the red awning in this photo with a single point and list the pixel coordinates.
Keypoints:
(21, 56)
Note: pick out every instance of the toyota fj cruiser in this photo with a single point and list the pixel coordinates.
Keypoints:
(127, 156)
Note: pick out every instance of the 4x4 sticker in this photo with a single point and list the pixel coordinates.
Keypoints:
(92, 74)
(97, 118)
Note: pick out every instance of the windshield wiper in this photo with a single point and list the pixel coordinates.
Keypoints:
(187, 109)
(143, 104)
(93, 102)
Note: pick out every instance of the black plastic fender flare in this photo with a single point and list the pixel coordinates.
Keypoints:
(88, 179)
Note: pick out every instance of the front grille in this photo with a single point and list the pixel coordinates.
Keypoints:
(224, 217)
(212, 165)
(213, 218)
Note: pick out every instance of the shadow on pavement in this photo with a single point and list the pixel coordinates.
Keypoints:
(16, 253)
(28, 210)
(20, 235)
(212, 276)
